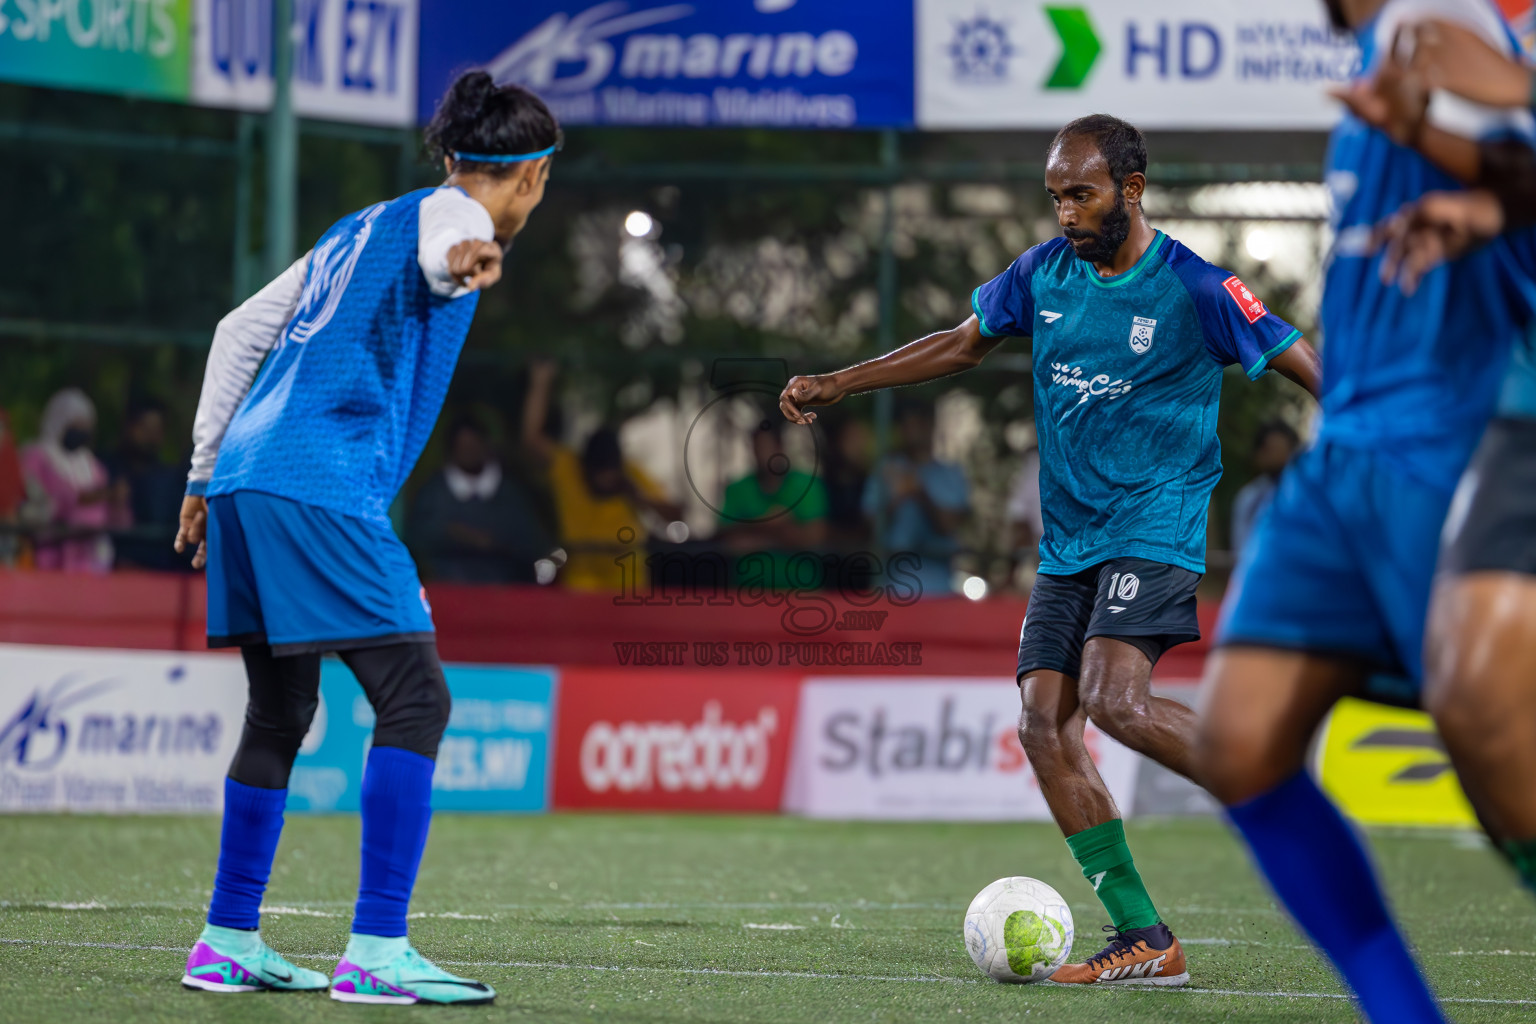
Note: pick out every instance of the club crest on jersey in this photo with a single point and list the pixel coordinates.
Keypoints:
(1141, 333)
(1246, 301)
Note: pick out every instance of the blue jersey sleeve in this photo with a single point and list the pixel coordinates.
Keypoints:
(1238, 327)
(1005, 305)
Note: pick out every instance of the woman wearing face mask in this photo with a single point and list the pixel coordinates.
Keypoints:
(62, 468)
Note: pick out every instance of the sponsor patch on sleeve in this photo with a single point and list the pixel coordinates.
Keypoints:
(1246, 301)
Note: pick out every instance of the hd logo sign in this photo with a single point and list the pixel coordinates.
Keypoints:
(1387, 766)
(1231, 64)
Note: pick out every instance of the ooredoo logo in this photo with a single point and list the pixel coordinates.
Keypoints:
(642, 739)
(712, 753)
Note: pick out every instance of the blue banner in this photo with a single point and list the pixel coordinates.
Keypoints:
(494, 756)
(766, 63)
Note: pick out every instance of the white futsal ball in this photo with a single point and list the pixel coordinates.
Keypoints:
(1018, 929)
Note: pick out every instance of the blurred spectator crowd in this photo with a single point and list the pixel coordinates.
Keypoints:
(532, 505)
(67, 505)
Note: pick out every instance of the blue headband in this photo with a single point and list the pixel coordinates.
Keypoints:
(499, 158)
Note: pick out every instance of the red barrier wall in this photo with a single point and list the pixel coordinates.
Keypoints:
(538, 626)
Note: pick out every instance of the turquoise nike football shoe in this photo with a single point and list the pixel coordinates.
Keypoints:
(399, 974)
(232, 960)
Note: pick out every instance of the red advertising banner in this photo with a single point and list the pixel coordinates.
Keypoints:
(641, 739)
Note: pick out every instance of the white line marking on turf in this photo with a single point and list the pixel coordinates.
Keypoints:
(776, 927)
(715, 971)
(299, 910)
(341, 909)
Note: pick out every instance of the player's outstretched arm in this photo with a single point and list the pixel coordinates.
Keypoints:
(1301, 364)
(937, 355)
(1452, 57)
(1440, 226)
(475, 264)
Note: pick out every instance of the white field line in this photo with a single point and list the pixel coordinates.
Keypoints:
(300, 910)
(718, 972)
(314, 908)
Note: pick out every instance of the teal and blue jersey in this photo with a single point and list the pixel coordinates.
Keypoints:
(349, 395)
(1128, 376)
(1416, 376)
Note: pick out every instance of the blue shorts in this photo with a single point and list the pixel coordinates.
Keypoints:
(303, 578)
(1341, 563)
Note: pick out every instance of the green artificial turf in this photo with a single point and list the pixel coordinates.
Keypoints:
(632, 918)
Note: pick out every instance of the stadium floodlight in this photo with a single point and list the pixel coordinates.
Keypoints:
(1260, 245)
(639, 224)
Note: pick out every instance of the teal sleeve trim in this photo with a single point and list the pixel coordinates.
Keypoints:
(1257, 369)
(976, 308)
(197, 488)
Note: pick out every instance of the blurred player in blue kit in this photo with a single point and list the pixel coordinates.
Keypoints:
(287, 503)
(1337, 583)
(1131, 332)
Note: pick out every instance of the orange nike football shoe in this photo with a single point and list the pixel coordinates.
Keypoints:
(1138, 956)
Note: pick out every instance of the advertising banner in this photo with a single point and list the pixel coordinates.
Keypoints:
(494, 756)
(1194, 64)
(353, 60)
(675, 741)
(139, 47)
(925, 750)
(1387, 766)
(778, 63)
(114, 731)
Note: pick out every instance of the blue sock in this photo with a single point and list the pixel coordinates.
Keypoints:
(397, 809)
(253, 820)
(1315, 864)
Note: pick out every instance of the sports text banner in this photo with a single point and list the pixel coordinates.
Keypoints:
(494, 756)
(353, 60)
(685, 741)
(1192, 64)
(105, 730)
(139, 47)
(925, 750)
(779, 63)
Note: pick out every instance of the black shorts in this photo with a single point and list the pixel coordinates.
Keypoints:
(1149, 605)
(1492, 523)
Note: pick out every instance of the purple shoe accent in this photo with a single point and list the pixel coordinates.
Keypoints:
(353, 980)
(209, 968)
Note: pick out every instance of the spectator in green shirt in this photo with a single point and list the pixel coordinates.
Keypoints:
(772, 514)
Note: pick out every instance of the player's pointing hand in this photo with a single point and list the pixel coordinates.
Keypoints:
(475, 263)
(805, 391)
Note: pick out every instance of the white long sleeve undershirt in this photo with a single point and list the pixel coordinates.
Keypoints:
(246, 334)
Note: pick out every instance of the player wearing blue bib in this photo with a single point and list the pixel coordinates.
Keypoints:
(287, 501)
(1482, 634)
(1131, 334)
(1337, 582)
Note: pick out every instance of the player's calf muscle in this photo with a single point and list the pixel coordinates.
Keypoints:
(1253, 725)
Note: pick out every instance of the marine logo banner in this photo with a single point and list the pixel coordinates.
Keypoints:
(778, 63)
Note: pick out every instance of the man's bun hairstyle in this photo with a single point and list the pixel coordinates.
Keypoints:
(1121, 143)
(478, 116)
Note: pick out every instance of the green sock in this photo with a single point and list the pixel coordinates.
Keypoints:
(1106, 862)
(1523, 857)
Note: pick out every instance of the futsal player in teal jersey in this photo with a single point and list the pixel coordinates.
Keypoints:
(1131, 334)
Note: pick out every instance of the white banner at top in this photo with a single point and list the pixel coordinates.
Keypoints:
(1190, 64)
(353, 60)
